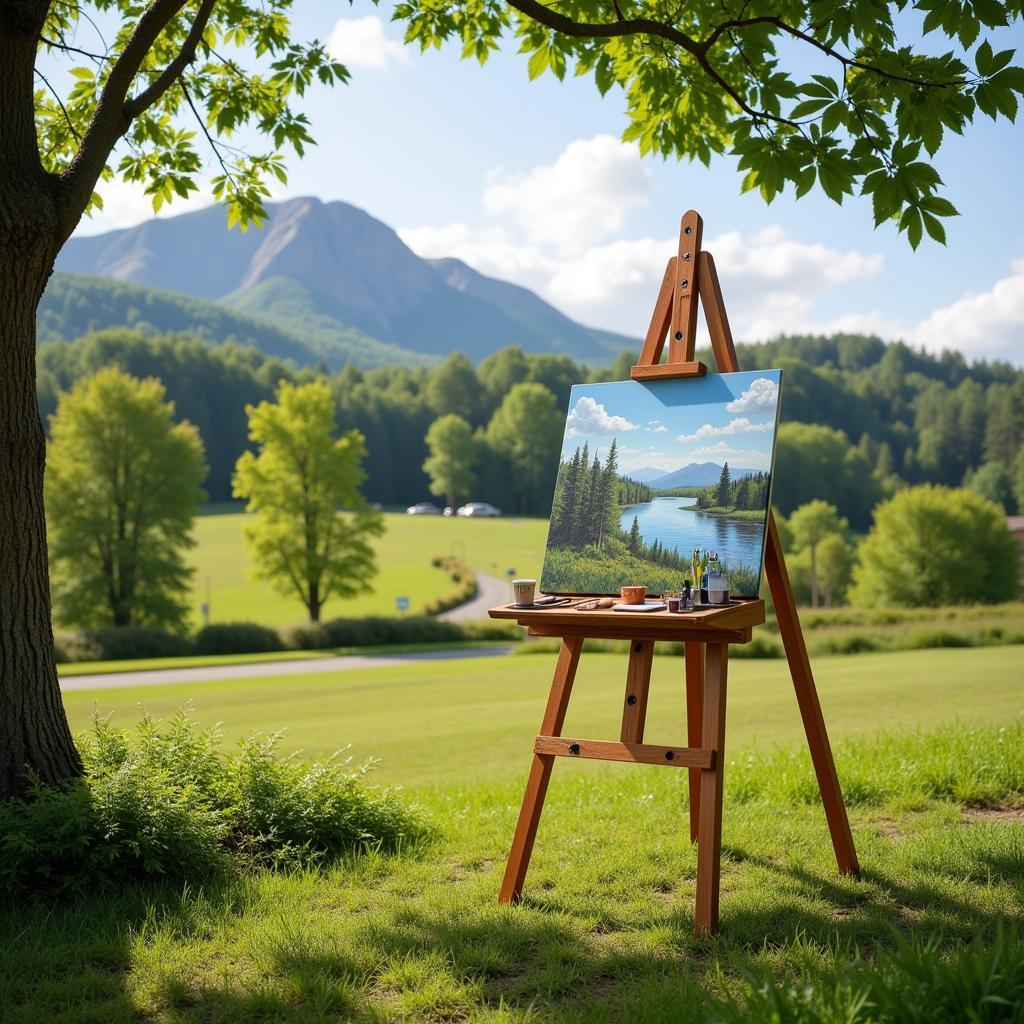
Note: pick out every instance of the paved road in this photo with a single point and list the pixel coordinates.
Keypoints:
(213, 673)
(491, 592)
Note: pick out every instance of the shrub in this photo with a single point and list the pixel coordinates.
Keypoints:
(465, 585)
(170, 804)
(123, 643)
(852, 643)
(373, 631)
(237, 638)
(923, 638)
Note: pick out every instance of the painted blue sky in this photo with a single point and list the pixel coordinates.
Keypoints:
(728, 417)
(529, 181)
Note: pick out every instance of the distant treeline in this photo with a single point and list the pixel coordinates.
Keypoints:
(587, 506)
(745, 493)
(858, 416)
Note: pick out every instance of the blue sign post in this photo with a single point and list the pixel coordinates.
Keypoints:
(402, 604)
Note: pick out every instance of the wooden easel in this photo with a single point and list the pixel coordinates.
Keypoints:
(690, 276)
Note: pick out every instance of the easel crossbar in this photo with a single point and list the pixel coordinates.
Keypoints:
(635, 753)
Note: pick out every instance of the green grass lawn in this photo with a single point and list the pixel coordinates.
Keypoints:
(604, 933)
(475, 719)
(404, 555)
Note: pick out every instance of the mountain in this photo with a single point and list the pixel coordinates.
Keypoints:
(696, 474)
(321, 270)
(75, 304)
(644, 475)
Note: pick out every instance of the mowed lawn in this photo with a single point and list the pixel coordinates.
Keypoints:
(473, 720)
(404, 555)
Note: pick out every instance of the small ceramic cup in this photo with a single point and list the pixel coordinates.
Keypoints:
(633, 595)
(525, 591)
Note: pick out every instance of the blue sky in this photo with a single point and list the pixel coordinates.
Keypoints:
(529, 182)
(669, 424)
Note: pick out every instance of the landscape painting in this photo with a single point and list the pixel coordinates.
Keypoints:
(650, 471)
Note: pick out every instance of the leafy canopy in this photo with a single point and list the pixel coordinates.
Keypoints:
(174, 77)
(453, 455)
(122, 488)
(854, 96)
(298, 484)
(936, 545)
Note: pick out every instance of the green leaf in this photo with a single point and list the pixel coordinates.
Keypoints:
(983, 58)
(934, 227)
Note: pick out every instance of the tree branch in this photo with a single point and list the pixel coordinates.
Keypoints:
(60, 103)
(849, 62)
(114, 113)
(141, 103)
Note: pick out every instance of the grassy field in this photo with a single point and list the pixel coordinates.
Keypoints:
(448, 722)
(604, 934)
(404, 555)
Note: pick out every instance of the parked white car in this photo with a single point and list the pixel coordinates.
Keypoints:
(478, 510)
(423, 508)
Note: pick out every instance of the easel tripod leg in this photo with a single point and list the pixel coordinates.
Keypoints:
(709, 840)
(540, 773)
(694, 668)
(810, 707)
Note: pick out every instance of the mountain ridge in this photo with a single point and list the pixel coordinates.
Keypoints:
(331, 268)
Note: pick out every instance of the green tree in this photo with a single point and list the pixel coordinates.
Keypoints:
(723, 494)
(815, 461)
(453, 454)
(526, 429)
(78, 109)
(501, 371)
(635, 540)
(312, 531)
(994, 483)
(1018, 478)
(933, 545)
(835, 558)
(455, 388)
(810, 524)
(122, 488)
(738, 73)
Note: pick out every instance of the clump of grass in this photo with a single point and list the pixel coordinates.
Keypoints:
(917, 983)
(978, 765)
(169, 803)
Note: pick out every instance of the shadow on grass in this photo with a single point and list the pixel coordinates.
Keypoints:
(426, 957)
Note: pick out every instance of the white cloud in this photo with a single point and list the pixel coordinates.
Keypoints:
(989, 324)
(744, 458)
(560, 230)
(760, 397)
(590, 417)
(738, 426)
(656, 427)
(364, 43)
(653, 458)
(579, 199)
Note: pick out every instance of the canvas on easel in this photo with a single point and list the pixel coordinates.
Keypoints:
(651, 471)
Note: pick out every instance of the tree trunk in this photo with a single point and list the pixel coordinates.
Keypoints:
(314, 602)
(814, 578)
(34, 734)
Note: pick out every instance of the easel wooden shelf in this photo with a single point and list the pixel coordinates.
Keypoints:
(690, 277)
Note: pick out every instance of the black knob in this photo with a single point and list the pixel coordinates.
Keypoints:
(631, 700)
(670, 755)
(574, 748)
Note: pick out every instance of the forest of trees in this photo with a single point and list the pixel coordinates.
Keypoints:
(747, 493)
(860, 418)
(587, 510)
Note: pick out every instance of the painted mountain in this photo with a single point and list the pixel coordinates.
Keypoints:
(696, 474)
(333, 279)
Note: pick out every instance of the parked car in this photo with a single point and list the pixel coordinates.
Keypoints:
(478, 509)
(423, 508)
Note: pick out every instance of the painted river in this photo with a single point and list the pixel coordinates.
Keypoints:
(735, 540)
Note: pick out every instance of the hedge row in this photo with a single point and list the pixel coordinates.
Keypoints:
(465, 585)
(128, 642)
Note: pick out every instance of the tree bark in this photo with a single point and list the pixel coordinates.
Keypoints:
(34, 734)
